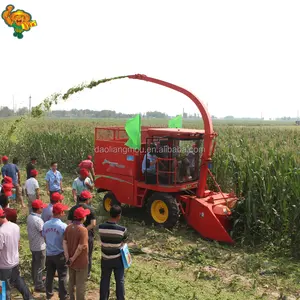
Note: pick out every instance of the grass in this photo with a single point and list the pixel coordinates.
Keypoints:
(179, 264)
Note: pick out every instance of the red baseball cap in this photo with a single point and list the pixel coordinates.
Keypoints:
(59, 208)
(80, 213)
(7, 179)
(89, 157)
(86, 195)
(57, 197)
(84, 172)
(34, 172)
(8, 193)
(7, 188)
(4, 158)
(2, 213)
(38, 204)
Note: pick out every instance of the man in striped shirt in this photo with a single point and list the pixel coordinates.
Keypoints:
(112, 238)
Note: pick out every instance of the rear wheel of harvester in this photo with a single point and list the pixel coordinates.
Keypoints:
(163, 210)
(109, 200)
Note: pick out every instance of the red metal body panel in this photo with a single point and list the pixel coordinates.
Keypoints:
(114, 172)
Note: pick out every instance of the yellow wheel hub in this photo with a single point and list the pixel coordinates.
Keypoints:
(159, 211)
(107, 204)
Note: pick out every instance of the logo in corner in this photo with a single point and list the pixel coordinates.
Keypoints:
(20, 20)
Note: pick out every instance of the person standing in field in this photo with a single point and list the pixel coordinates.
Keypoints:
(12, 171)
(15, 161)
(81, 183)
(30, 166)
(89, 165)
(37, 244)
(7, 179)
(76, 253)
(32, 188)
(112, 238)
(53, 232)
(53, 180)
(9, 258)
(7, 186)
(90, 222)
(48, 211)
(11, 214)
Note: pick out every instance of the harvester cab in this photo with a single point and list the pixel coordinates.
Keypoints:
(176, 154)
(168, 175)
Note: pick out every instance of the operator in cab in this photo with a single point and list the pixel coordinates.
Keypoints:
(149, 165)
(191, 157)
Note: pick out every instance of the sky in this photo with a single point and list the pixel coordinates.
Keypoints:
(241, 58)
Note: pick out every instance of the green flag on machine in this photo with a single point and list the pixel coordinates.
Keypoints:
(133, 130)
(175, 122)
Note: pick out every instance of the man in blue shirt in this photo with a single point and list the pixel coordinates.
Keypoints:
(12, 171)
(149, 165)
(53, 180)
(53, 232)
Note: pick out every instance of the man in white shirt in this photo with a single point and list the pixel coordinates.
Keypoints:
(9, 258)
(37, 244)
(32, 189)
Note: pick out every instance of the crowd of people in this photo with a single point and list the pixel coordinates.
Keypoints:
(65, 249)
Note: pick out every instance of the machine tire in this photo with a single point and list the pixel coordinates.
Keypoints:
(109, 197)
(157, 205)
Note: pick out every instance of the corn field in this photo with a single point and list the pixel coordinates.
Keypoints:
(260, 163)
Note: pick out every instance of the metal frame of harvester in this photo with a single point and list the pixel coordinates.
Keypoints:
(118, 173)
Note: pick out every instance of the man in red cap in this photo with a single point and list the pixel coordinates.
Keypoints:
(37, 244)
(81, 183)
(6, 189)
(32, 188)
(90, 222)
(47, 212)
(9, 258)
(76, 252)
(12, 171)
(6, 186)
(53, 232)
(11, 214)
(89, 165)
(8, 179)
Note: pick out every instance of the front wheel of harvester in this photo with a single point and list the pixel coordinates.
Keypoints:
(109, 200)
(163, 210)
